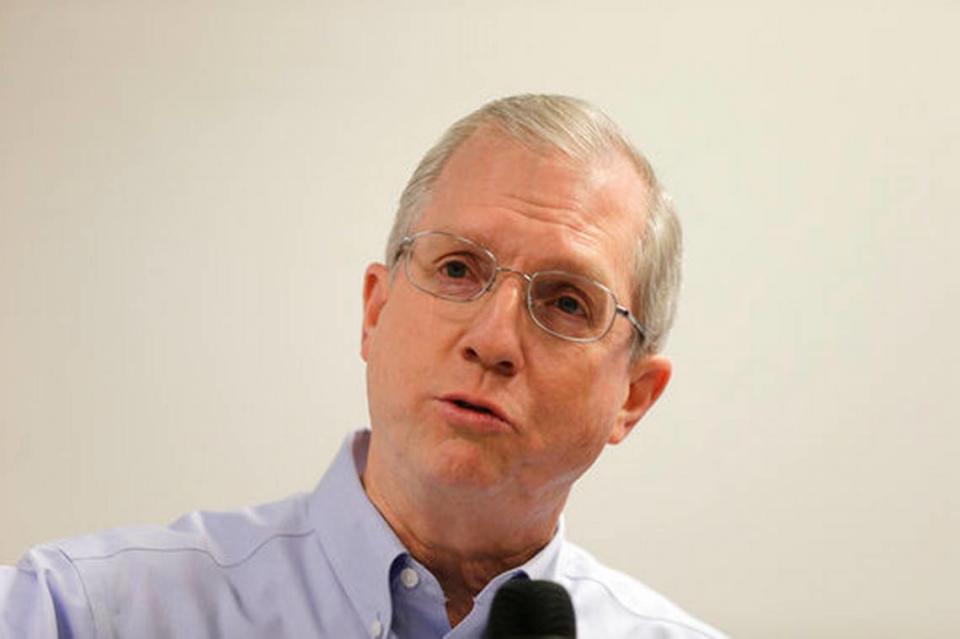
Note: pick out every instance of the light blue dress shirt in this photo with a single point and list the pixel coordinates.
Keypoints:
(322, 565)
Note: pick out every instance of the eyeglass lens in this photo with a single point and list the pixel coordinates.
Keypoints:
(563, 303)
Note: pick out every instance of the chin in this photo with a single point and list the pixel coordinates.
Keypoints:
(465, 464)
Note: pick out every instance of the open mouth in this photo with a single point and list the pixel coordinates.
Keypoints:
(487, 410)
(479, 409)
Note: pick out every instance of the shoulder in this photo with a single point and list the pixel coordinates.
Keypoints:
(222, 538)
(607, 599)
(191, 562)
(126, 578)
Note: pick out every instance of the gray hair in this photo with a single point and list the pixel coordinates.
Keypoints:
(584, 134)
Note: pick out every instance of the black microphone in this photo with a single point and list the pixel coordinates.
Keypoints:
(531, 609)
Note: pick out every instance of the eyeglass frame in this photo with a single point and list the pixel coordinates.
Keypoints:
(403, 253)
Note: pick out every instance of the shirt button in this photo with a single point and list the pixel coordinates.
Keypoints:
(375, 629)
(409, 577)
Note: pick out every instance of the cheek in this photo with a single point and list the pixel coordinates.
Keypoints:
(405, 352)
(579, 402)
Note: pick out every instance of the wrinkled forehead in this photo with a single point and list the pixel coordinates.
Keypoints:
(542, 208)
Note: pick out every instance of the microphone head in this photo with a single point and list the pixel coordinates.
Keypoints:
(531, 609)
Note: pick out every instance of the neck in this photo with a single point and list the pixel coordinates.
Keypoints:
(465, 540)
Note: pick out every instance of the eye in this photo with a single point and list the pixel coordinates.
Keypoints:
(455, 269)
(563, 299)
(569, 305)
(457, 273)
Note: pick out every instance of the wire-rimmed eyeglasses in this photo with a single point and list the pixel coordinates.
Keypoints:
(566, 305)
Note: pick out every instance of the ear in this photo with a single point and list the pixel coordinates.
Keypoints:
(648, 377)
(376, 286)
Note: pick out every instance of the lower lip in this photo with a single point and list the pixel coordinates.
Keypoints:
(476, 421)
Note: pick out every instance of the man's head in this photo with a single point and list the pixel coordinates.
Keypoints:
(583, 133)
(473, 397)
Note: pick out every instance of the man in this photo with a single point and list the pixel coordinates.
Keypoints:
(513, 332)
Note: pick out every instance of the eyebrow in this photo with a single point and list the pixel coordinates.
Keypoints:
(567, 264)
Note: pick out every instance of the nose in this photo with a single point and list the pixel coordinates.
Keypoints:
(493, 337)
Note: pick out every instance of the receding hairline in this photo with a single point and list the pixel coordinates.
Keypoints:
(611, 155)
(613, 146)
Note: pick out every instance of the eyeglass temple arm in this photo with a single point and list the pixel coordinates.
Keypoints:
(633, 322)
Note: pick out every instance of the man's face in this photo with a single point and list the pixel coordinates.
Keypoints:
(432, 362)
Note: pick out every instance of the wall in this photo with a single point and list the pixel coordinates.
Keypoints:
(189, 193)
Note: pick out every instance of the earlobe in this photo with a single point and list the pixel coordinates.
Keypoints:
(648, 379)
(376, 284)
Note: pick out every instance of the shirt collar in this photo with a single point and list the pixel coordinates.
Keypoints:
(363, 549)
(355, 538)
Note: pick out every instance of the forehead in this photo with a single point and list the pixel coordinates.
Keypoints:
(538, 209)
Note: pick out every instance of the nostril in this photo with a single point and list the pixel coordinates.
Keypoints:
(503, 367)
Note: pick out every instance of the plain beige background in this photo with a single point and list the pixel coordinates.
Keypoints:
(190, 191)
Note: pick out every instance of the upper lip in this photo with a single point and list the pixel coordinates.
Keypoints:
(477, 402)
